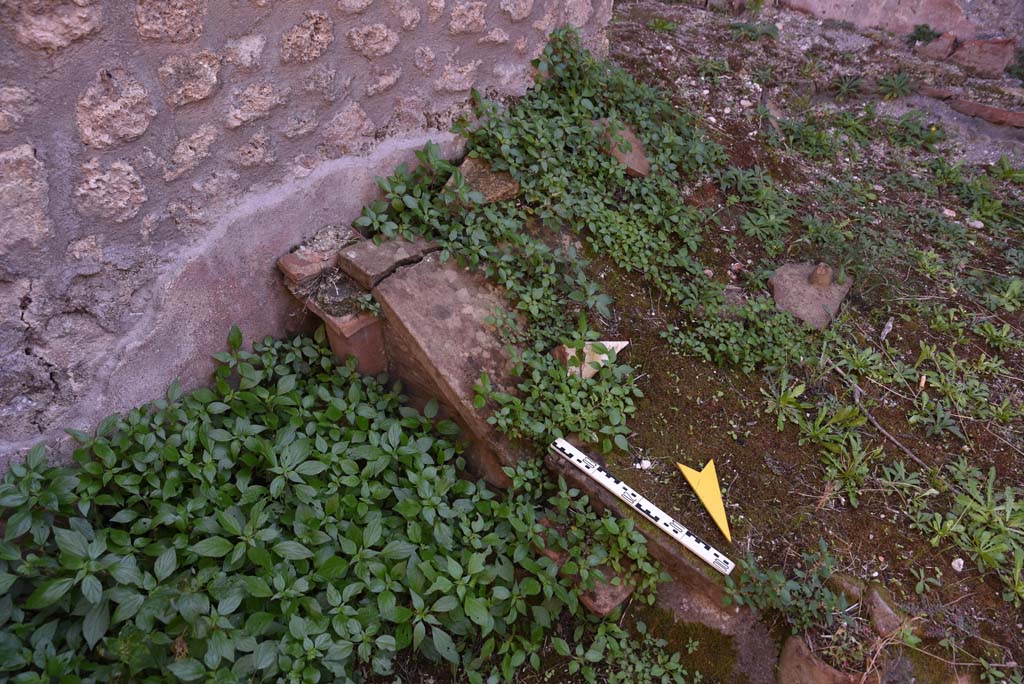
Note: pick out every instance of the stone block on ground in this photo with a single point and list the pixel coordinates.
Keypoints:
(938, 49)
(885, 615)
(305, 263)
(935, 92)
(847, 585)
(635, 159)
(438, 332)
(592, 358)
(495, 186)
(798, 665)
(303, 266)
(368, 263)
(606, 596)
(994, 115)
(809, 292)
(359, 334)
(987, 58)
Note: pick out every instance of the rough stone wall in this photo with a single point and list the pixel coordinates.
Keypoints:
(963, 18)
(157, 156)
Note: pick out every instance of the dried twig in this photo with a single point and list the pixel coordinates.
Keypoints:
(857, 392)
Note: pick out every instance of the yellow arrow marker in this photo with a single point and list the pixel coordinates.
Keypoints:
(705, 483)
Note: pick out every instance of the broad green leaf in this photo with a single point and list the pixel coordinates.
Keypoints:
(445, 604)
(476, 610)
(235, 338)
(188, 670)
(96, 622)
(213, 547)
(265, 654)
(333, 568)
(396, 549)
(92, 589)
(166, 564)
(49, 593)
(128, 607)
(444, 645)
(257, 587)
(292, 550)
(71, 542)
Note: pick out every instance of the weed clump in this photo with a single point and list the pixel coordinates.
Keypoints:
(294, 522)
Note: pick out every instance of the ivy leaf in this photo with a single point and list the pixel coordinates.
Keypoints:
(128, 607)
(214, 547)
(92, 589)
(333, 568)
(286, 384)
(444, 645)
(190, 669)
(257, 587)
(166, 563)
(49, 593)
(235, 338)
(418, 632)
(125, 571)
(372, 532)
(397, 549)
(476, 610)
(444, 604)
(96, 622)
(265, 655)
(311, 468)
(71, 542)
(292, 550)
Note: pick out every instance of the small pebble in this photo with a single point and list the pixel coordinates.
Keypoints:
(712, 120)
(708, 272)
(705, 92)
(877, 188)
(949, 213)
(746, 104)
(958, 564)
(975, 224)
(727, 111)
(644, 465)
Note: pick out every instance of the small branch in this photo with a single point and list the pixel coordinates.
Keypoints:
(857, 392)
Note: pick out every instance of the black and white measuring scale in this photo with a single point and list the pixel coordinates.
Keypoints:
(660, 518)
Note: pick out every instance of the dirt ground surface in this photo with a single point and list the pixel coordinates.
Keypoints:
(923, 208)
(778, 499)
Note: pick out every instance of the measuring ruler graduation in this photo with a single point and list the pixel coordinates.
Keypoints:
(660, 518)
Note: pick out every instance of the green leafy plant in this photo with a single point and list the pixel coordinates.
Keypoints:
(925, 582)
(848, 464)
(764, 76)
(753, 31)
(661, 25)
(294, 522)
(894, 86)
(801, 596)
(754, 336)
(847, 85)
(970, 510)
(633, 660)
(710, 69)
(922, 34)
(783, 399)
(1017, 68)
